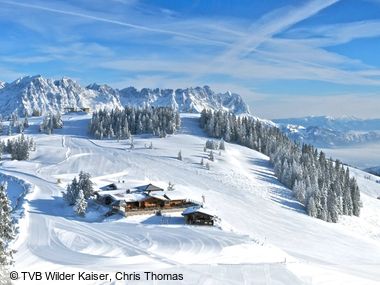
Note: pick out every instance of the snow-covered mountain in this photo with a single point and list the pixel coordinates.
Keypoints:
(323, 131)
(35, 93)
(335, 123)
(374, 170)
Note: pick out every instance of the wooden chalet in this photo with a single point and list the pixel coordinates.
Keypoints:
(141, 199)
(198, 215)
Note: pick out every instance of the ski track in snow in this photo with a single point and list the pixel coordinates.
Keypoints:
(253, 206)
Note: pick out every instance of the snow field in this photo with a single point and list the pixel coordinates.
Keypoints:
(262, 225)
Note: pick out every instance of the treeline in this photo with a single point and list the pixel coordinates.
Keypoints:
(121, 124)
(19, 148)
(16, 125)
(324, 187)
(51, 122)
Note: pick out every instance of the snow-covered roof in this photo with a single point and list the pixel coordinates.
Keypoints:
(140, 193)
(134, 197)
(149, 188)
(176, 195)
(111, 192)
(112, 186)
(199, 209)
(159, 195)
(122, 195)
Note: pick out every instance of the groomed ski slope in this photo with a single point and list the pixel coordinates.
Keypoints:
(263, 229)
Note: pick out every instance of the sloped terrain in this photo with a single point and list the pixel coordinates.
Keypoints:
(262, 229)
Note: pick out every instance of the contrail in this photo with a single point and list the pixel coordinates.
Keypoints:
(115, 22)
(276, 22)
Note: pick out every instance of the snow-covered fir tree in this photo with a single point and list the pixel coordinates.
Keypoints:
(121, 124)
(211, 156)
(221, 145)
(80, 206)
(51, 122)
(83, 183)
(132, 142)
(322, 185)
(6, 231)
(72, 190)
(19, 148)
(212, 144)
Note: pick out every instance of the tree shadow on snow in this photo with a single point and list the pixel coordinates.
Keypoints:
(190, 126)
(279, 193)
(57, 207)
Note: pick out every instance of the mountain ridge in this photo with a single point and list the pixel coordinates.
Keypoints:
(36, 93)
(327, 131)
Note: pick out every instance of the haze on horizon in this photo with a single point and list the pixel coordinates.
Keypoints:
(286, 58)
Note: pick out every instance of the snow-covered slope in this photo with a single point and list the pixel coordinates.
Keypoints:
(264, 230)
(326, 131)
(37, 93)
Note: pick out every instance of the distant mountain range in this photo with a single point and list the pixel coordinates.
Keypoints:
(35, 93)
(374, 170)
(324, 131)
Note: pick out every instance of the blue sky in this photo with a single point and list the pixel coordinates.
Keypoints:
(286, 58)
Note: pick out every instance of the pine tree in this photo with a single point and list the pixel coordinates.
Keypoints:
(6, 229)
(311, 207)
(85, 184)
(355, 194)
(80, 205)
(19, 147)
(208, 166)
(72, 190)
(202, 162)
(179, 155)
(332, 206)
(211, 156)
(221, 145)
(132, 143)
(300, 191)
